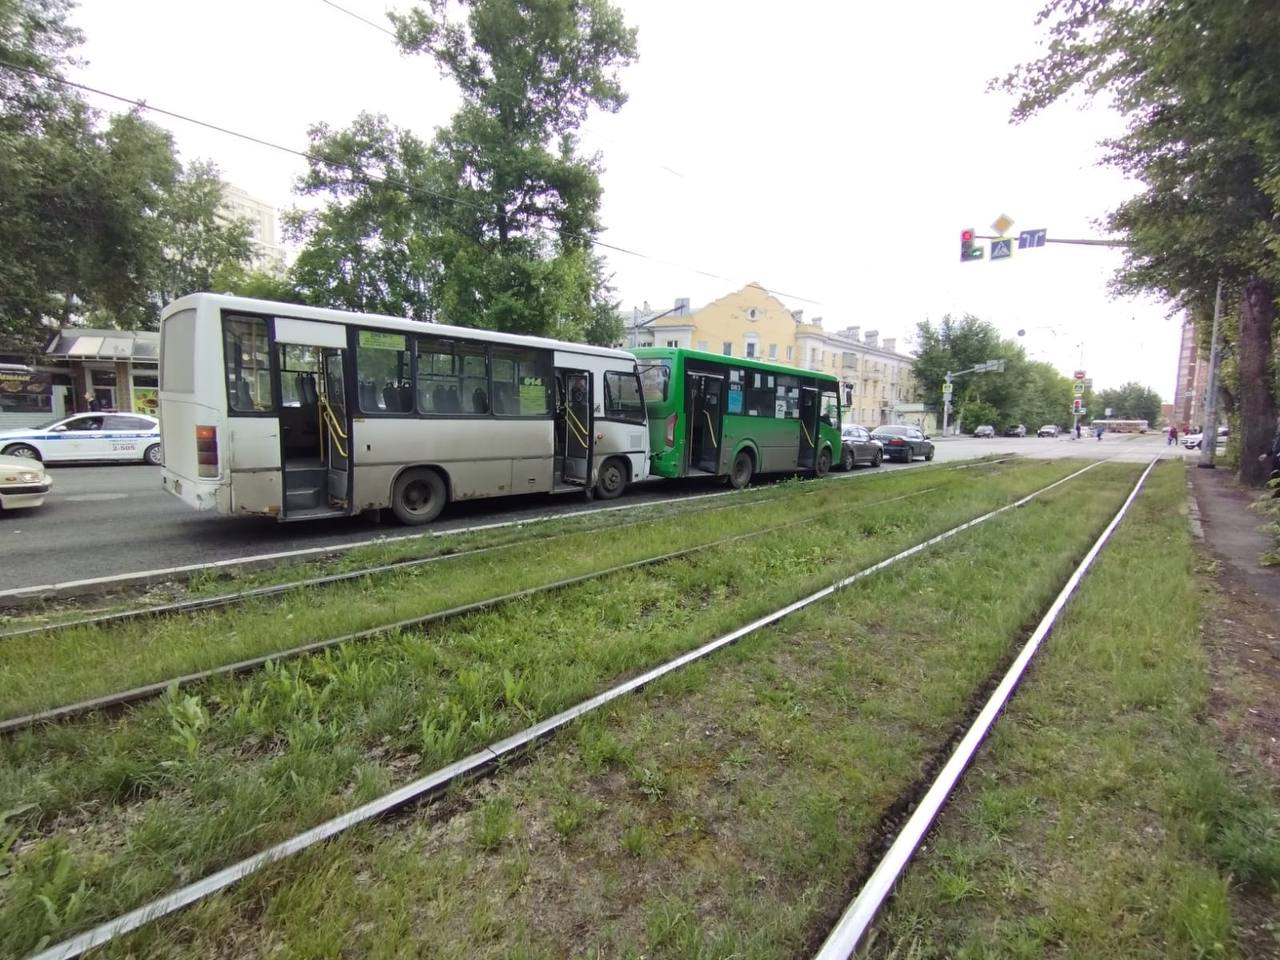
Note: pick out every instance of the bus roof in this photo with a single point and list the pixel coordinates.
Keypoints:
(654, 352)
(301, 312)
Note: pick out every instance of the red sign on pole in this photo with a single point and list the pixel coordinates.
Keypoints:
(1079, 374)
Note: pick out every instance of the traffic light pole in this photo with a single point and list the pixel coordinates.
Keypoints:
(996, 366)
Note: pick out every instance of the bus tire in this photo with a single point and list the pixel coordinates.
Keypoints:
(823, 464)
(152, 456)
(418, 496)
(613, 479)
(743, 467)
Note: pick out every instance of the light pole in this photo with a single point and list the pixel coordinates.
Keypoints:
(991, 366)
(1209, 440)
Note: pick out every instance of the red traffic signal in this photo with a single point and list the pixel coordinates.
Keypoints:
(969, 250)
(966, 236)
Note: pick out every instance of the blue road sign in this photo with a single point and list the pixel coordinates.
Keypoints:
(1032, 238)
(1002, 249)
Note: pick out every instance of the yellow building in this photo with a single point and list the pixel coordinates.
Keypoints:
(879, 383)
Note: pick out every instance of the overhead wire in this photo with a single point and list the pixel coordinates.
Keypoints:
(364, 175)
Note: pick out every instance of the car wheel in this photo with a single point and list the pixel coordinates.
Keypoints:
(823, 466)
(929, 455)
(418, 497)
(877, 459)
(152, 456)
(740, 473)
(24, 450)
(613, 480)
(847, 460)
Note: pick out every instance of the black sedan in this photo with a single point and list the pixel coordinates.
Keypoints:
(903, 442)
(858, 447)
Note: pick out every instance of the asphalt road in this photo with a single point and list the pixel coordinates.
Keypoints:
(103, 520)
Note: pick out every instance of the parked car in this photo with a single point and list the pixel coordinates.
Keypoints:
(87, 436)
(1017, 430)
(903, 442)
(986, 430)
(858, 447)
(1192, 440)
(1048, 430)
(23, 483)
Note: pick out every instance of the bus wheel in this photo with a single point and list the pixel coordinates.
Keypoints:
(613, 480)
(740, 474)
(418, 497)
(823, 466)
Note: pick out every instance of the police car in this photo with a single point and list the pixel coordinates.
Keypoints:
(87, 436)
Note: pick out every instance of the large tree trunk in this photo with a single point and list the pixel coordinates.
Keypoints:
(1257, 382)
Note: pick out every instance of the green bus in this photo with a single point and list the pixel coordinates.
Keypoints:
(711, 415)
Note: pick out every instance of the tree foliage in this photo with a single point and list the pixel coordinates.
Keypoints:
(97, 220)
(1195, 80)
(492, 223)
(1130, 401)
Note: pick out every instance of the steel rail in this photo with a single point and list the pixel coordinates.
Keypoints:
(484, 758)
(221, 600)
(853, 924)
(150, 690)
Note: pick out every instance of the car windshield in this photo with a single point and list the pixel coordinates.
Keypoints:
(50, 423)
(889, 432)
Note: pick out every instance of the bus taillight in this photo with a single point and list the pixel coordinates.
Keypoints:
(671, 430)
(207, 451)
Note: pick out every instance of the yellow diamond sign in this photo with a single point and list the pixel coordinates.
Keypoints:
(1002, 224)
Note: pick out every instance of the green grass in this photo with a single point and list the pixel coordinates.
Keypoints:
(723, 807)
(1102, 818)
(41, 671)
(123, 809)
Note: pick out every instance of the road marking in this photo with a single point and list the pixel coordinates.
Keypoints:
(96, 497)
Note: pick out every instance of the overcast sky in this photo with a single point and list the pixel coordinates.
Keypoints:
(831, 152)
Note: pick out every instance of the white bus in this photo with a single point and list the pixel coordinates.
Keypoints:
(299, 412)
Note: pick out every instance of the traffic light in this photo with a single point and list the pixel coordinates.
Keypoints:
(1077, 406)
(969, 249)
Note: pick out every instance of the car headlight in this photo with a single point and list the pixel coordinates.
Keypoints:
(29, 477)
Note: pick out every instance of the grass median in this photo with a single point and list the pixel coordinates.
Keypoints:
(719, 813)
(110, 811)
(1103, 818)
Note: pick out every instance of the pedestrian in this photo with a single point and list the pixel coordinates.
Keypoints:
(1077, 429)
(1173, 435)
(1099, 430)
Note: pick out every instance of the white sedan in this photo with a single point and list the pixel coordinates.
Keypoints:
(87, 436)
(23, 483)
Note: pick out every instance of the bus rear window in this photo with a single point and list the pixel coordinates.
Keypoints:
(178, 355)
(654, 380)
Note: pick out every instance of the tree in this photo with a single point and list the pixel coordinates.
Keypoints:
(492, 224)
(1131, 401)
(96, 221)
(1194, 79)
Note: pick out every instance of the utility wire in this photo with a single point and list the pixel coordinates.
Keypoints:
(352, 13)
(407, 188)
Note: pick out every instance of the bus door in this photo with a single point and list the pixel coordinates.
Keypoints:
(335, 426)
(574, 424)
(808, 428)
(706, 416)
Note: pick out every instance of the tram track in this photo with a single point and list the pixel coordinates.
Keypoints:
(137, 694)
(222, 601)
(487, 757)
(919, 807)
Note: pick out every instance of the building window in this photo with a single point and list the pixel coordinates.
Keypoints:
(702, 345)
(788, 354)
(728, 349)
(751, 348)
(773, 351)
(673, 343)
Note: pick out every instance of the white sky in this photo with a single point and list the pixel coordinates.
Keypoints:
(830, 151)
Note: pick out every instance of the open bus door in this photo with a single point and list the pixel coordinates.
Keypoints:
(335, 426)
(706, 415)
(576, 425)
(808, 428)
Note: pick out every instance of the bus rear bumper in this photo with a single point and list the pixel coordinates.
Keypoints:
(197, 494)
